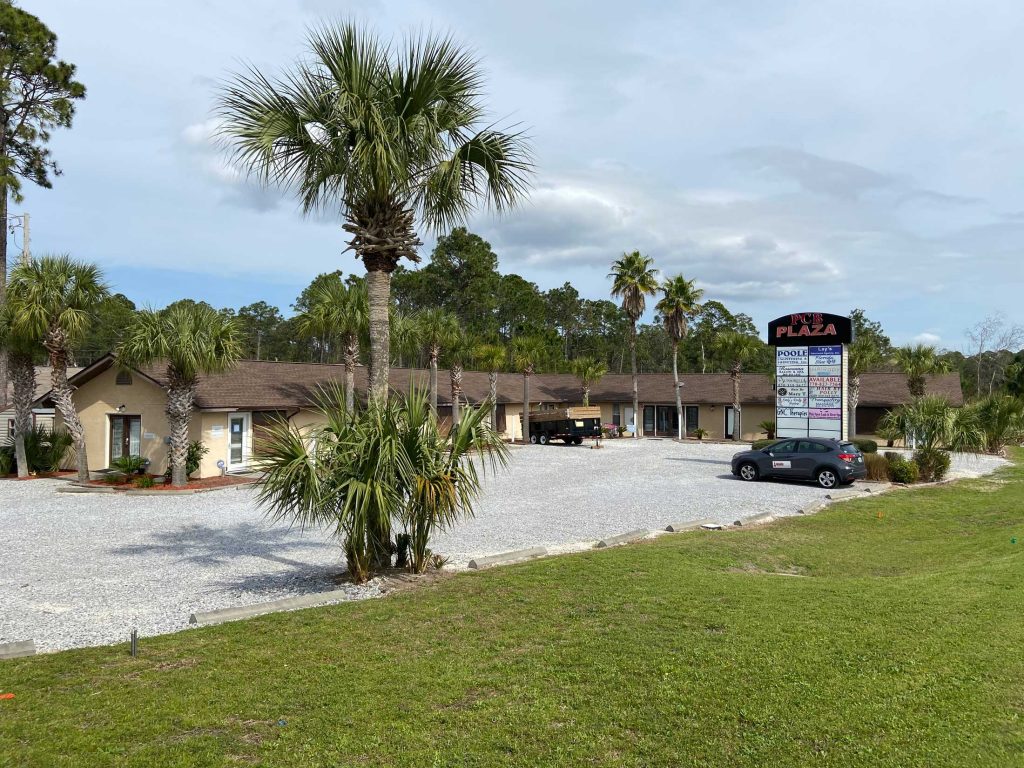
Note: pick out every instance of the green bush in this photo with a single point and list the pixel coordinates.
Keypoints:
(759, 444)
(6, 461)
(129, 465)
(768, 427)
(902, 470)
(193, 458)
(46, 450)
(933, 463)
(866, 446)
(144, 481)
(877, 467)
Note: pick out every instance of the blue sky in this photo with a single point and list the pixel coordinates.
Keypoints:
(790, 156)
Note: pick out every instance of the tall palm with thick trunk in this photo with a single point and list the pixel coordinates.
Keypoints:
(679, 302)
(633, 280)
(193, 340)
(380, 133)
(338, 311)
(437, 329)
(918, 361)
(21, 352)
(735, 349)
(491, 358)
(54, 299)
(527, 355)
(590, 372)
(864, 356)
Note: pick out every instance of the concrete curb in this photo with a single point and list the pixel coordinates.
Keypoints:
(623, 538)
(712, 526)
(814, 506)
(274, 606)
(504, 558)
(18, 649)
(690, 526)
(843, 495)
(148, 491)
(764, 517)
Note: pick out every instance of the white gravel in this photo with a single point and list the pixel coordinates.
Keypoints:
(83, 569)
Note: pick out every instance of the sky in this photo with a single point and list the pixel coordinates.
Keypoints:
(798, 155)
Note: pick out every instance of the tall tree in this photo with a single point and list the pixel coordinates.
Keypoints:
(22, 351)
(527, 354)
(192, 340)
(589, 371)
(633, 280)
(460, 349)
(868, 352)
(38, 92)
(259, 324)
(405, 337)
(381, 133)
(338, 311)
(54, 299)
(679, 303)
(437, 329)
(491, 358)
(918, 361)
(736, 349)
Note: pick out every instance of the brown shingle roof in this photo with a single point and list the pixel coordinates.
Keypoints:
(263, 385)
(43, 381)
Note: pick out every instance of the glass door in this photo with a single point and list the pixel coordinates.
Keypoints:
(730, 421)
(125, 436)
(238, 440)
(648, 420)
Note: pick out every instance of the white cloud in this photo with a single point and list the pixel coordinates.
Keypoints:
(928, 339)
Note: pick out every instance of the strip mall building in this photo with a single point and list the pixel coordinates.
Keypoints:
(123, 411)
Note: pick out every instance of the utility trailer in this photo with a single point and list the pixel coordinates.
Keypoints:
(568, 424)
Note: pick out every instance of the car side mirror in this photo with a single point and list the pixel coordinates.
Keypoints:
(769, 453)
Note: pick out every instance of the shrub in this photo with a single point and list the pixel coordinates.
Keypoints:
(700, 433)
(877, 467)
(768, 427)
(866, 446)
(901, 470)
(759, 444)
(129, 465)
(45, 450)
(144, 481)
(933, 463)
(890, 431)
(193, 458)
(6, 461)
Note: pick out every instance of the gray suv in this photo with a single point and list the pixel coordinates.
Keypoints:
(827, 462)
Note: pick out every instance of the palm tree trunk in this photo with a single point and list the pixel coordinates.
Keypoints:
(492, 379)
(586, 394)
(675, 378)
(55, 345)
(456, 378)
(526, 407)
(433, 380)
(378, 294)
(180, 397)
(3, 290)
(23, 376)
(737, 414)
(854, 399)
(351, 354)
(636, 396)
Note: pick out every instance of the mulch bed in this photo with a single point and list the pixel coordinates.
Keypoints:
(40, 476)
(192, 485)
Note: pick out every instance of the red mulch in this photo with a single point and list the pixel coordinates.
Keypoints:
(40, 476)
(207, 482)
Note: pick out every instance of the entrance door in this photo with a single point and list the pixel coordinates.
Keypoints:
(649, 420)
(730, 421)
(667, 421)
(692, 418)
(239, 448)
(125, 436)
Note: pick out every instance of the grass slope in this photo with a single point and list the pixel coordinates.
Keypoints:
(844, 639)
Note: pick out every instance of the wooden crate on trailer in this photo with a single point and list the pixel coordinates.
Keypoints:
(564, 414)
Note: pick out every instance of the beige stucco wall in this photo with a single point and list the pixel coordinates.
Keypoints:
(211, 427)
(100, 398)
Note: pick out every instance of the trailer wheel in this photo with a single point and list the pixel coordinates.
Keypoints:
(577, 441)
(543, 439)
(533, 439)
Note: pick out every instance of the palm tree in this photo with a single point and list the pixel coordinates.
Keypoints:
(437, 329)
(589, 371)
(736, 349)
(405, 336)
(491, 358)
(460, 349)
(680, 301)
(380, 133)
(21, 352)
(633, 279)
(367, 470)
(864, 356)
(527, 355)
(338, 310)
(918, 361)
(54, 299)
(192, 340)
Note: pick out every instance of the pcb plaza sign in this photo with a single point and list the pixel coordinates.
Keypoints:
(811, 374)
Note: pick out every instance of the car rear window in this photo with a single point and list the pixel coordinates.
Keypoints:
(849, 448)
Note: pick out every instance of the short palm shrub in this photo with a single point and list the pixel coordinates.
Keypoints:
(368, 471)
(877, 467)
(46, 450)
(1001, 419)
(700, 433)
(129, 465)
(933, 464)
(144, 481)
(866, 446)
(768, 427)
(6, 461)
(194, 454)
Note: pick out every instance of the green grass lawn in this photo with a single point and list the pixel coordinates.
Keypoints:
(843, 639)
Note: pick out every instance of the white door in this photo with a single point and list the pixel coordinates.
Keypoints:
(239, 441)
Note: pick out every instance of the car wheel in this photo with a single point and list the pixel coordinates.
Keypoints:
(543, 439)
(827, 478)
(748, 471)
(577, 441)
(533, 439)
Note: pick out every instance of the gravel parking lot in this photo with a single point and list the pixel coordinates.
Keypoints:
(83, 569)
